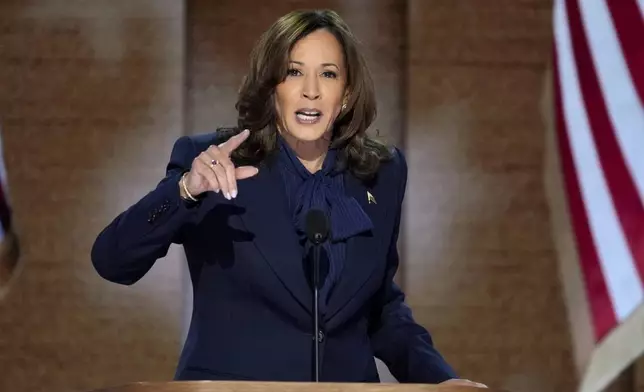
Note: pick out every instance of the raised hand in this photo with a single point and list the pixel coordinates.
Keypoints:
(212, 170)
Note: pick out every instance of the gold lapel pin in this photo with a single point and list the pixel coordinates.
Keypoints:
(370, 198)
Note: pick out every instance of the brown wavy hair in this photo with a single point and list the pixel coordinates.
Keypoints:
(358, 152)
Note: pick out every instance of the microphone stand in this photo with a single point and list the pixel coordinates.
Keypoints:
(317, 231)
(316, 305)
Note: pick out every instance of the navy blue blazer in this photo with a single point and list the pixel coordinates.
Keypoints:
(252, 316)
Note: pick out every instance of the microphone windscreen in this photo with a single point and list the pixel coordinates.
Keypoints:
(317, 226)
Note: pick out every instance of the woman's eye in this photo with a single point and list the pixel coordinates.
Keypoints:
(329, 74)
(293, 72)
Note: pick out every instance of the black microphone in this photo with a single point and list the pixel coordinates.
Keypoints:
(317, 231)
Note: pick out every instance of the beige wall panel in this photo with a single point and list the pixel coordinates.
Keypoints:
(480, 266)
(90, 104)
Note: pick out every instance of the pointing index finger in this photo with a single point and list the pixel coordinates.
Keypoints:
(231, 144)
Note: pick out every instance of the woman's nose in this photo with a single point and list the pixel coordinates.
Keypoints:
(311, 90)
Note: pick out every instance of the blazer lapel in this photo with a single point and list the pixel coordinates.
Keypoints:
(263, 199)
(361, 251)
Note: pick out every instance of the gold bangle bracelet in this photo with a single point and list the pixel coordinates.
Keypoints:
(182, 181)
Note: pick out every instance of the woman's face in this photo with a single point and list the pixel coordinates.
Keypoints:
(310, 98)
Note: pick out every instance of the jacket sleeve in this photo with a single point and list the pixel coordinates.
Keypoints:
(397, 339)
(128, 247)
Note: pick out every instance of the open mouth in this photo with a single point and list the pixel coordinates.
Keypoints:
(308, 116)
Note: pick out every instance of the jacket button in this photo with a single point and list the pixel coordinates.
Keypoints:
(320, 336)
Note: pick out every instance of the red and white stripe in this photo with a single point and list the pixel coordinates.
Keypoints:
(8, 250)
(5, 209)
(599, 94)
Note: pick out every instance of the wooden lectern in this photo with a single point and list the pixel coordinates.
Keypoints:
(246, 386)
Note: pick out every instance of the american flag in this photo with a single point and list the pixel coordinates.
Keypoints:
(598, 74)
(9, 255)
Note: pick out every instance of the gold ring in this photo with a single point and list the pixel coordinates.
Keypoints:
(214, 162)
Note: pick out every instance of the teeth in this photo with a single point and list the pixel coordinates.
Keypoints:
(307, 117)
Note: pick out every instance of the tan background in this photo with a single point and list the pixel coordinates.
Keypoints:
(481, 268)
(93, 96)
(90, 103)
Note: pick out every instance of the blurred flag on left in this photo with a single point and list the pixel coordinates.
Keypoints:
(9, 253)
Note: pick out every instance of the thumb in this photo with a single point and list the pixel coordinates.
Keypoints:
(244, 172)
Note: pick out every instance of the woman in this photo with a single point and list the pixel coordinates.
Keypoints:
(238, 205)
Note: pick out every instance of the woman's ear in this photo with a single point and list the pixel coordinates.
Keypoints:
(345, 101)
